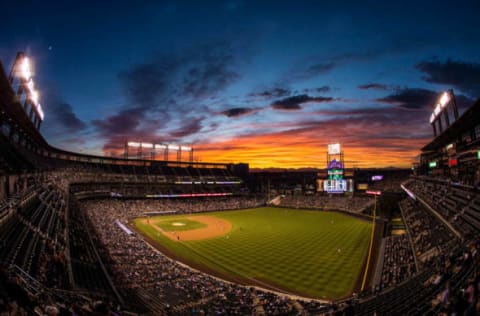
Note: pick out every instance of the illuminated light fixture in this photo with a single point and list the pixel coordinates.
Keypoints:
(444, 99)
(478, 154)
(373, 192)
(34, 97)
(410, 193)
(25, 69)
(159, 146)
(334, 149)
(173, 147)
(30, 85)
(133, 144)
(432, 164)
(442, 103)
(40, 111)
(147, 145)
(185, 148)
(226, 182)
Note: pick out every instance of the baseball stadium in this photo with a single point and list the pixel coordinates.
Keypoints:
(126, 223)
(150, 236)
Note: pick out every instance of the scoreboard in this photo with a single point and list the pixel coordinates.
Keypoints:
(333, 180)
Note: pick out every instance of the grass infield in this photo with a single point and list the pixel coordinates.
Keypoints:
(309, 253)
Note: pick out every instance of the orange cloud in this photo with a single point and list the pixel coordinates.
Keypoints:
(305, 149)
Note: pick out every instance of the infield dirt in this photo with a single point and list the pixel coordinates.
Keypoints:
(215, 227)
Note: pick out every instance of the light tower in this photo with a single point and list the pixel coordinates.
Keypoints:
(21, 76)
(446, 101)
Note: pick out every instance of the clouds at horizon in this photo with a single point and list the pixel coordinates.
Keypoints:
(242, 85)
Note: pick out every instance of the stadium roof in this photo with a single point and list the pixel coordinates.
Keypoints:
(466, 122)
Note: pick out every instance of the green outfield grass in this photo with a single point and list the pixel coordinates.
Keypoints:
(311, 253)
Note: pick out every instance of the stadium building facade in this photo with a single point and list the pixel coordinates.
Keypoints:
(454, 153)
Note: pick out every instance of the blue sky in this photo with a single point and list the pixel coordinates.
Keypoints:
(264, 82)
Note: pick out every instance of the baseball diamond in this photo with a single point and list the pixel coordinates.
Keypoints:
(309, 253)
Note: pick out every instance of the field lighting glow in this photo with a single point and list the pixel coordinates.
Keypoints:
(30, 85)
(444, 99)
(40, 112)
(334, 149)
(133, 144)
(25, 69)
(442, 103)
(34, 97)
(173, 147)
(185, 148)
(160, 146)
(147, 145)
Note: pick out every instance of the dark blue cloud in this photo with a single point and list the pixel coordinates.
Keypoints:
(235, 112)
(295, 102)
(464, 76)
(374, 86)
(63, 115)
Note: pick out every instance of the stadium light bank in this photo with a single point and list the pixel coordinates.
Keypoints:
(22, 70)
(446, 100)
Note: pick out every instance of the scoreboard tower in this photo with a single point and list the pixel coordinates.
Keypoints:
(336, 182)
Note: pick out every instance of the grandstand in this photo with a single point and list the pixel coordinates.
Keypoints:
(66, 244)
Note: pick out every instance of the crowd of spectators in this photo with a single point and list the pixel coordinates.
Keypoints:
(135, 264)
(398, 262)
(428, 235)
(353, 204)
(459, 205)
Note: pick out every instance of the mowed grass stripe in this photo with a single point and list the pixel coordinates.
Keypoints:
(312, 253)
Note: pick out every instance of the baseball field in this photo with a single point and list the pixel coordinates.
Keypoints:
(309, 253)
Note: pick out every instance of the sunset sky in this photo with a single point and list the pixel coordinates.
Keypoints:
(269, 83)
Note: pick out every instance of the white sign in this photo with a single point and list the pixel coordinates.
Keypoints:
(334, 149)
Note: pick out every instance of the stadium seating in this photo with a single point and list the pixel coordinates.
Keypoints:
(355, 204)
(44, 240)
(459, 205)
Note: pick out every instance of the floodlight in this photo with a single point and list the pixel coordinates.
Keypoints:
(173, 147)
(25, 70)
(147, 145)
(444, 99)
(160, 146)
(185, 148)
(437, 110)
(133, 144)
(432, 118)
(30, 85)
(40, 111)
(34, 97)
